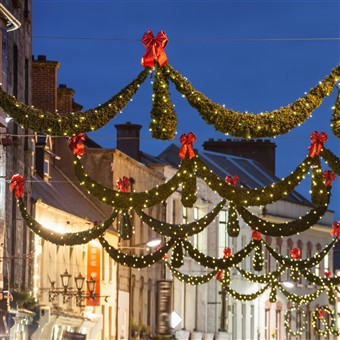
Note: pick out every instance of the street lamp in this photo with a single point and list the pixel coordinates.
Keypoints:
(68, 292)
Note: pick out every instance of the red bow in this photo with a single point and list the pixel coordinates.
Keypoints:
(77, 144)
(317, 143)
(255, 235)
(17, 184)
(232, 180)
(220, 275)
(321, 313)
(329, 177)
(295, 253)
(328, 274)
(186, 141)
(335, 229)
(154, 49)
(226, 252)
(123, 184)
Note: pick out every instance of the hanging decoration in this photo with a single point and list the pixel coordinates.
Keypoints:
(318, 141)
(77, 144)
(155, 46)
(17, 185)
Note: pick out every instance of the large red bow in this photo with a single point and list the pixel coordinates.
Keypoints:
(186, 141)
(295, 253)
(255, 235)
(123, 184)
(317, 143)
(220, 273)
(77, 144)
(226, 252)
(327, 274)
(321, 313)
(17, 184)
(329, 177)
(154, 49)
(335, 229)
(232, 180)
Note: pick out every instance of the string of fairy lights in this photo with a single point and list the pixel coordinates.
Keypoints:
(236, 199)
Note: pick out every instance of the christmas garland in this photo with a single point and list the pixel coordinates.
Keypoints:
(302, 327)
(56, 124)
(69, 239)
(282, 229)
(132, 260)
(261, 278)
(193, 280)
(259, 196)
(332, 160)
(218, 263)
(128, 200)
(300, 299)
(163, 116)
(318, 314)
(180, 230)
(250, 125)
(245, 297)
(301, 263)
(335, 122)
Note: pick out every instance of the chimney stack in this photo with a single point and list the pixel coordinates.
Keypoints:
(128, 139)
(262, 151)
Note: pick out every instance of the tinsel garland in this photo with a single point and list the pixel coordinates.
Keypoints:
(220, 263)
(282, 229)
(302, 328)
(250, 125)
(180, 230)
(245, 297)
(332, 160)
(132, 260)
(163, 116)
(301, 263)
(193, 280)
(56, 124)
(128, 200)
(258, 196)
(328, 328)
(335, 122)
(69, 239)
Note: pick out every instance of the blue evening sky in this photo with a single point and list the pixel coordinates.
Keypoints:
(249, 55)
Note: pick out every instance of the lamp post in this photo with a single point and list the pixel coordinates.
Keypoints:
(68, 292)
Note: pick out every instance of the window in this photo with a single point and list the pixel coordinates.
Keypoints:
(267, 323)
(46, 168)
(234, 320)
(252, 321)
(244, 320)
(223, 240)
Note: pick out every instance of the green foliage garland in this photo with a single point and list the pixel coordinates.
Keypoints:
(177, 259)
(220, 263)
(132, 260)
(335, 122)
(189, 184)
(191, 279)
(320, 193)
(56, 124)
(245, 297)
(328, 328)
(282, 229)
(69, 239)
(259, 196)
(301, 299)
(258, 260)
(332, 160)
(302, 327)
(250, 125)
(233, 226)
(127, 200)
(163, 116)
(180, 230)
(125, 226)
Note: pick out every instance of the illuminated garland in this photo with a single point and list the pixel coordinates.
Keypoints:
(258, 259)
(302, 328)
(332, 160)
(163, 116)
(128, 200)
(56, 124)
(177, 258)
(193, 280)
(233, 226)
(261, 278)
(301, 263)
(245, 297)
(320, 281)
(319, 192)
(328, 328)
(69, 239)
(282, 229)
(259, 196)
(132, 260)
(250, 125)
(300, 299)
(220, 263)
(189, 183)
(180, 230)
(126, 229)
(335, 122)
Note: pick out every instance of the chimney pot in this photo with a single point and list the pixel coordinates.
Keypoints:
(41, 57)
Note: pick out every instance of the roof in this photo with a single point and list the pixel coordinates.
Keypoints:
(62, 194)
(250, 172)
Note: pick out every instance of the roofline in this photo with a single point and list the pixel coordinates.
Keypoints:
(12, 22)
